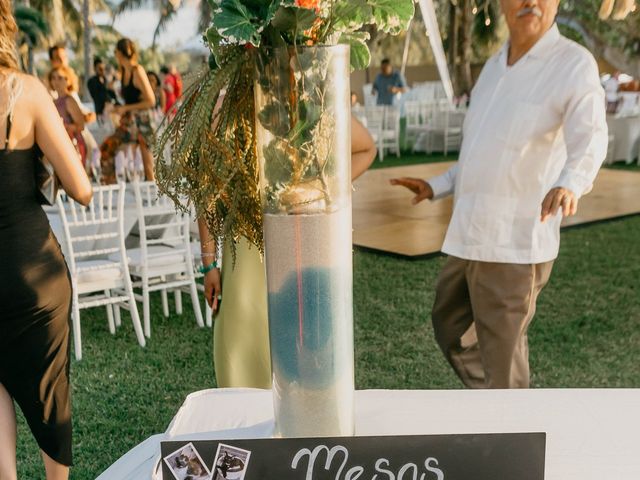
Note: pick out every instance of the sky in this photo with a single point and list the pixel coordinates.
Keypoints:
(140, 24)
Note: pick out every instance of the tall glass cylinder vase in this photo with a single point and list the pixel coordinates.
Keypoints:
(304, 147)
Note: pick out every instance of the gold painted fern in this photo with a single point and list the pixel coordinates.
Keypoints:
(211, 157)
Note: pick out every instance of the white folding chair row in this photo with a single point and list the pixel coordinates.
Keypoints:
(91, 234)
(384, 124)
(163, 261)
(442, 133)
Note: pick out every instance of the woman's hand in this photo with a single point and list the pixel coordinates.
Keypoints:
(213, 289)
(120, 109)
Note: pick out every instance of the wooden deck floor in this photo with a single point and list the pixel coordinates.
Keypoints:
(384, 219)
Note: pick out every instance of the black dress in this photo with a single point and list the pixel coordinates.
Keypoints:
(35, 305)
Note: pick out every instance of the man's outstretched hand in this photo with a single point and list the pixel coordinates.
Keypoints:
(558, 198)
(418, 186)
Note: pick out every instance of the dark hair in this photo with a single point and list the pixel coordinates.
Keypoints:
(151, 73)
(54, 49)
(385, 61)
(127, 48)
(97, 61)
(164, 69)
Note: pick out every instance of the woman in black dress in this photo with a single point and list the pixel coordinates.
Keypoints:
(139, 101)
(35, 290)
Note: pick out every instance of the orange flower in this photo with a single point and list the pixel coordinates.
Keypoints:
(308, 4)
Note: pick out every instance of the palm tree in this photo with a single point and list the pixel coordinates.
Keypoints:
(168, 10)
(33, 30)
(70, 19)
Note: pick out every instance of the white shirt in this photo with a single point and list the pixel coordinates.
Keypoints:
(536, 125)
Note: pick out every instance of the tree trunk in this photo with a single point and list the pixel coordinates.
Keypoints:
(459, 45)
(464, 41)
(86, 38)
(453, 44)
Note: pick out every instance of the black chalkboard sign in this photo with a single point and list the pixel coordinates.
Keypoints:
(496, 456)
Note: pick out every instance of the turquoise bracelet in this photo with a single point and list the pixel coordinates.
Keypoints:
(207, 268)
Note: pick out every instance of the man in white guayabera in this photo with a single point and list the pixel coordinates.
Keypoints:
(534, 139)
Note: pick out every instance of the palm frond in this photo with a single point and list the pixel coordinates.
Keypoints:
(213, 157)
(128, 5)
(102, 6)
(72, 19)
(35, 19)
(167, 13)
(205, 15)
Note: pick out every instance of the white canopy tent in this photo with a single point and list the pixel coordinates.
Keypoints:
(428, 11)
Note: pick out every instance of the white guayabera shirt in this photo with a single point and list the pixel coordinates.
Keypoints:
(536, 125)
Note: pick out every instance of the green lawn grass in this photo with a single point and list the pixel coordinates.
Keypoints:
(585, 334)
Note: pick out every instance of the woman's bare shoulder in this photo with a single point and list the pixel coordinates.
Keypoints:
(33, 90)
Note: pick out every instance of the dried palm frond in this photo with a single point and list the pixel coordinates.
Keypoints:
(212, 159)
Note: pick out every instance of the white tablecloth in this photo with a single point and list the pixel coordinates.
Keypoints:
(591, 434)
(626, 133)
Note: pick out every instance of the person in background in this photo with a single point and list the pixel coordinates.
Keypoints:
(611, 88)
(36, 288)
(99, 89)
(354, 100)
(169, 87)
(139, 100)
(177, 80)
(58, 58)
(60, 80)
(156, 86)
(388, 83)
(534, 138)
(243, 360)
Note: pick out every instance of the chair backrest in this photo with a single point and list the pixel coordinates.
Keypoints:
(375, 117)
(94, 231)
(161, 223)
(392, 118)
(412, 112)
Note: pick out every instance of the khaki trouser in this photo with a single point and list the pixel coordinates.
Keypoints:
(480, 319)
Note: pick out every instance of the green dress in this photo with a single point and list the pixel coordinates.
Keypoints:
(241, 329)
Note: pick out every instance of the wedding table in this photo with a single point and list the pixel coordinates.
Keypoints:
(626, 132)
(591, 433)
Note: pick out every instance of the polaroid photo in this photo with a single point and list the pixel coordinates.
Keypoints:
(186, 464)
(231, 463)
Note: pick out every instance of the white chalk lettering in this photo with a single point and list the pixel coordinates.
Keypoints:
(379, 469)
(354, 473)
(427, 464)
(404, 470)
(313, 455)
(382, 468)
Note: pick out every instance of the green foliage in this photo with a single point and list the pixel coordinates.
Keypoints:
(234, 22)
(391, 16)
(214, 160)
(291, 20)
(360, 54)
(278, 163)
(305, 22)
(31, 23)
